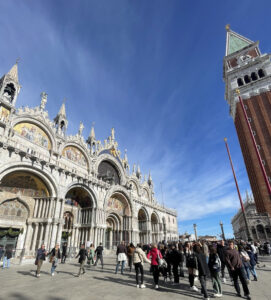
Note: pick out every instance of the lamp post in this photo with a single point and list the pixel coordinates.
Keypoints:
(222, 230)
(195, 229)
(238, 191)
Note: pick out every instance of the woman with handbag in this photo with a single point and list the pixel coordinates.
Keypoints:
(214, 265)
(139, 257)
(155, 256)
(54, 257)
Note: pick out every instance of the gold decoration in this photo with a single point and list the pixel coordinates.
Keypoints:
(113, 152)
(237, 91)
(227, 27)
(34, 134)
(75, 155)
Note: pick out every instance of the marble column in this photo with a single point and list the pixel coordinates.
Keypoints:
(53, 235)
(36, 208)
(36, 229)
(41, 235)
(27, 240)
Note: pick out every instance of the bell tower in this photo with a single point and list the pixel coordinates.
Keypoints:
(247, 71)
(9, 90)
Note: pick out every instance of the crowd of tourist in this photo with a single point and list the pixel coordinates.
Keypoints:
(170, 261)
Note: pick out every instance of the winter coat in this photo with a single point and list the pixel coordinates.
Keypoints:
(139, 256)
(251, 255)
(41, 254)
(154, 256)
(82, 255)
(221, 253)
(99, 250)
(202, 264)
(175, 257)
(53, 253)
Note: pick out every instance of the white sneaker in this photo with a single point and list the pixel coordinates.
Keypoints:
(194, 288)
(224, 280)
(143, 286)
(196, 278)
(217, 295)
(53, 274)
(156, 287)
(137, 286)
(206, 298)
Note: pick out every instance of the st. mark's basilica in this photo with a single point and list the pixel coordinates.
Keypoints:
(57, 188)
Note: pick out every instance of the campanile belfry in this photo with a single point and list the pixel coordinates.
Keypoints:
(247, 71)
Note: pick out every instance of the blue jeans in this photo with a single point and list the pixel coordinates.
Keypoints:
(54, 265)
(251, 269)
(6, 262)
(122, 266)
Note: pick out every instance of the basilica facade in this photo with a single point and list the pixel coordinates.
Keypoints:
(57, 188)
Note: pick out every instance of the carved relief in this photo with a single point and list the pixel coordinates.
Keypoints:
(13, 208)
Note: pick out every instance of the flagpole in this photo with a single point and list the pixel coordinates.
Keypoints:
(254, 143)
(238, 191)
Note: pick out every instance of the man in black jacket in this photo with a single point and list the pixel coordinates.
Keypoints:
(221, 248)
(64, 253)
(99, 255)
(82, 259)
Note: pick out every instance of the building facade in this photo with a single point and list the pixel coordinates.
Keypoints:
(259, 224)
(248, 71)
(56, 188)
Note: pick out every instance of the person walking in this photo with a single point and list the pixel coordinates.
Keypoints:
(202, 269)
(1, 252)
(82, 259)
(99, 255)
(253, 262)
(54, 258)
(7, 257)
(40, 258)
(91, 254)
(155, 255)
(130, 252)
(214, 265)
(64, 253)
(121, 257)
(234, 263)
(139, 257)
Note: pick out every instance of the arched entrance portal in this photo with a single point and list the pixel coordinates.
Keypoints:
(118, 221)
(79, 208)
(142, 226)
(15, 212)
(154, 228)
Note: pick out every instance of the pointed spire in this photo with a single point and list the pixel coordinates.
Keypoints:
(92, 133)
(235, 41)
(13, 72)
(134, 169)
(62, 111)
(138, 172)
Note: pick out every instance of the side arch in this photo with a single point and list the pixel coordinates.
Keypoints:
(47, 178)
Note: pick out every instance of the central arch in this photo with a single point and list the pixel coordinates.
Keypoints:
(79, 207)
(118, 221)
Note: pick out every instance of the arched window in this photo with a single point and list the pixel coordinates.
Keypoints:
(240, 82)
(247, 79)
(254, 76)
(108, 173)
(261, 73)
(9, 91)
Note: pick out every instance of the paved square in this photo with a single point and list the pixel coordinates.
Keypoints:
(20, 283)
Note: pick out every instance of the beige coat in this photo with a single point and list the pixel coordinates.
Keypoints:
(140, 256)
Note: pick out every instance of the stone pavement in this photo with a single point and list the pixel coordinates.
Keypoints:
(20, 283)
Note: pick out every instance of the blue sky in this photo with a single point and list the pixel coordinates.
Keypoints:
(152, 70)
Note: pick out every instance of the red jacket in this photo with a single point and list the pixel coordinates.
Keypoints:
(153, 254)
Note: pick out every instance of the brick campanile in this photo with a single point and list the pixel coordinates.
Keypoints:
(247, 69)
